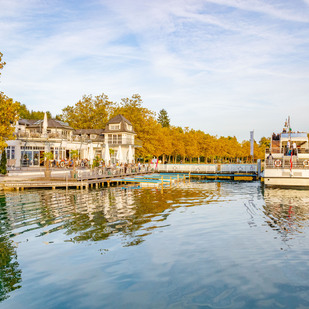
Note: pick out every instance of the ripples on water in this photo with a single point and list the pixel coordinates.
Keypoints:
(198, 245)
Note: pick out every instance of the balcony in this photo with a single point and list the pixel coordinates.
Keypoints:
(37, 135)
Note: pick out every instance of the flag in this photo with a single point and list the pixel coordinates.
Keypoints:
(251, 143)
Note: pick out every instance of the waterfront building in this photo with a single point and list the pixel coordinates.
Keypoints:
(34, 137)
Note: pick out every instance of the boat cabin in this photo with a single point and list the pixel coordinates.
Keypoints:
(282, 144)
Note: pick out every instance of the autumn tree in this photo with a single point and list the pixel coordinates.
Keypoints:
(143, 121)
(89, 112)
(163, 118)
(8, 115)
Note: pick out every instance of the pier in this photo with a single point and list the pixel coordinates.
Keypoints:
(161, 176)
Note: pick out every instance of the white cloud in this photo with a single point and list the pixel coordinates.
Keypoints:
(220, 65)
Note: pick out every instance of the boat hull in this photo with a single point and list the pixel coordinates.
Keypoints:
(285, 178)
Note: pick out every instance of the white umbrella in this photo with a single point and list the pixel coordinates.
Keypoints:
(91, 154)
(44, 129)
(107, 156)
(119, 155)
(130, 154)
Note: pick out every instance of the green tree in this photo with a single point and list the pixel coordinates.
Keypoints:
(3, 163)
(163, 118)
(24, 113)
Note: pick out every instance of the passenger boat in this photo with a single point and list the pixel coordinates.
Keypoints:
(287, 160)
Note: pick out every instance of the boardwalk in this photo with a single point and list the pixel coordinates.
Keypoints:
(143, 176)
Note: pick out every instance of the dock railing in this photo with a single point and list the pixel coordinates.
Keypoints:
(107, 172)
(208, 168)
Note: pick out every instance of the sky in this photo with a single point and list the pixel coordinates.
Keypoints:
(226, 67)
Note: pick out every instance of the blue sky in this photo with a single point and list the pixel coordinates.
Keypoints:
(223, 66)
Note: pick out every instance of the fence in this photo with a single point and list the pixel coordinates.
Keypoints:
(101, 172)
(208, 168)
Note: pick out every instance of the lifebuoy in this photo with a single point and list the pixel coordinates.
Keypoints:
(306, 163)
(82, 164)
(100, 172)
(278, 163)
(62, 164)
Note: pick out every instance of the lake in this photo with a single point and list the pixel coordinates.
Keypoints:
(196, 245)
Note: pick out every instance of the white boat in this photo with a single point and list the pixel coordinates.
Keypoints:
(287, 160)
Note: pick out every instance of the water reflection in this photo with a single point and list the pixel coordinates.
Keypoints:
(201, 252)
(10, 273)
(287, 210)
(97, 215)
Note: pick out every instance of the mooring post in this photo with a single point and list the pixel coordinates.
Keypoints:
(189, 176)
(177, 177)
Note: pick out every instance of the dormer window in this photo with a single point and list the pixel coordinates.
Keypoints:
(129, 127)
(114, 126)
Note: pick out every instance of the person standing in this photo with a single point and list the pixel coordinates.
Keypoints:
(294, 149)
(288, 146)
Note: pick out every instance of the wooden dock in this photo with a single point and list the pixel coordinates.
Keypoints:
(93, 180)
(144, 179)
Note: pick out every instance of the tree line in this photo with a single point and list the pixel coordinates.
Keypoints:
(158, 137)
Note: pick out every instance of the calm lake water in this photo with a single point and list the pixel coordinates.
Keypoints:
(198, 245)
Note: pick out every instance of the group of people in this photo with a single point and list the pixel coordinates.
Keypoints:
(275, 137)
(291, 149)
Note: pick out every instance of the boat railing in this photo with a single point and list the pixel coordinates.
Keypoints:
(284, 150)
(286, 162)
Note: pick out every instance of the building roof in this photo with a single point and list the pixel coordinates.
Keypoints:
(26, 122)
(51, 123)
(55, 123)
(119, 119)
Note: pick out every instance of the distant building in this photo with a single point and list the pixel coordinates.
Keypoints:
(34, 137)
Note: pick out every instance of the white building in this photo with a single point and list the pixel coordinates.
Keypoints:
(34, 137)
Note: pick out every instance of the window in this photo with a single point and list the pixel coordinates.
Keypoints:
(129, 127)
(10, 152)
(114, 138)
(114, 126)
